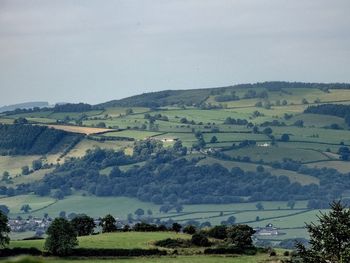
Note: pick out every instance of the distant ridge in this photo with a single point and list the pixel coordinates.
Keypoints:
(25, 105)
(197, 96)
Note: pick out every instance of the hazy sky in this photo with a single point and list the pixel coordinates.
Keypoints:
(94, 50)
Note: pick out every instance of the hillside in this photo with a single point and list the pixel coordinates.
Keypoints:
(199, 96)
(196, 156)
(25, 105)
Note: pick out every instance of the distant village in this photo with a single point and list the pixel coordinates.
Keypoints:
(40, 225)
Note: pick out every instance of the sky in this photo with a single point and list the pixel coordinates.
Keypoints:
(95, 51)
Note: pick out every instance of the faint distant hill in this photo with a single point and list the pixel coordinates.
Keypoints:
(25, 105)
(197, 96)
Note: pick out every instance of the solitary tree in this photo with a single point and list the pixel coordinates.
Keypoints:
(179, 208)
(25, 208)
(231, 220)
(214, 139)
(259, 206)
(267, 131)
(285, 137)
(240, 235)
(330, 238)
(149, 212)
(5, 176)
(4, 230)
(37, 164)
(25, 170)
(291, 204)
(108, 224)
(176, 227)
(61, 237)
(83, 225)
(4, 209)
(189, 229)
(139, 212)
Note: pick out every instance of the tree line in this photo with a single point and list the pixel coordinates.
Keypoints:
(29, 139)
(338, 110)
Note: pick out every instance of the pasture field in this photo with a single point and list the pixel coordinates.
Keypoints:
(74, 115)
(111, 240)
(78, 129)
(34, 176)
(6, 121)
(343, 167)
(317, 120)
(323, 147)
(137, 135)
(86, 144)
(314, 134)
(179, 259)
(235, 137)
(14, 164)
(117, 111)
(293, 96)
(38, 114)
(293, 176)
(274, 212)
(15, 203)
(41, 120)
(273, 153)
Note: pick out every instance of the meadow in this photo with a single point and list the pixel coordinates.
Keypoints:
(276, 213)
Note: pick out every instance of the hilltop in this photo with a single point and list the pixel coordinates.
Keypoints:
(197, 96)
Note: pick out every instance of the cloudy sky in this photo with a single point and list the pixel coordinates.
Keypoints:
(94, 51)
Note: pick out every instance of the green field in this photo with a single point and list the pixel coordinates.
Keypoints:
(275, 212)
(293, 176)
(86, 144)
(172, 259)
(13, 164)
(272, 153)
(111, 240)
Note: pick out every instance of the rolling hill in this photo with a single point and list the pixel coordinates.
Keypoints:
(234, 147)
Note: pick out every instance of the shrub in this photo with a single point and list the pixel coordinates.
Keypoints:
(173, 243)
(189, 229)
(200, 240)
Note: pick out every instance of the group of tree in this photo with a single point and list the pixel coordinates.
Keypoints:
(233, 121)
(166, 178)
(227, 97)
(29, 139)
(338, 110)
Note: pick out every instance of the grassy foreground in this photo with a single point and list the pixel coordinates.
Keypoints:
(143, 240)
(169, 259)
(110, 240)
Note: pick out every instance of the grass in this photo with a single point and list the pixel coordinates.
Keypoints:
(86, 144)
(234, 137)
(273, 153)
(317, 120)
(78, 129)
(137, 135)
(35, 176)
(111, 240)
(6, 121)
(314, 134)
(97, 206)
(293, 176)
(15, 203)
(13, 164)
(172, 259)
(341, 166)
